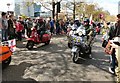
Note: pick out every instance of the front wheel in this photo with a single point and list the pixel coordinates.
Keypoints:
(6, 62)
(75, 57)
(48, 42)
(30, 45)
(69, 45)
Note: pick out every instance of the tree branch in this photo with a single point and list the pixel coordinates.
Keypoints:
(45, 6)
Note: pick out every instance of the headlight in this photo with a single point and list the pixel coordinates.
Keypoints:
(79, 40)
(74, 39)
(80, 33)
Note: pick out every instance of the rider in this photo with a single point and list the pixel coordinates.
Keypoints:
(76, 24)
(41, 27)
(88, 28)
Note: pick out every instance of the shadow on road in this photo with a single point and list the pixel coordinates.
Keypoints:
(14, 73)
(57, 58)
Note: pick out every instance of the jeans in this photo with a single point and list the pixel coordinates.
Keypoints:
(4, 35)
(52, 29)
(113, 61)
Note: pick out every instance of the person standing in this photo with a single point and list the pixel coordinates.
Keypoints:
(52, 26)
(47, 25)
(4, 27)
(19, 29)
(11, 28)
(29, 26)
(114, 32)
(57, 27)
(116, 45)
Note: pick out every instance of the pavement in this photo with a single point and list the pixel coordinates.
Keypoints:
(53, 63)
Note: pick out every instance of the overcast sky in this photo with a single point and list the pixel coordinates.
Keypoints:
(110, 5)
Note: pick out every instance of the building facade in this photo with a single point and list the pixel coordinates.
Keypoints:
(23, 7)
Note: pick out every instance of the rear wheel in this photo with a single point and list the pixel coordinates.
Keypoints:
(30, 45)
(6, 62)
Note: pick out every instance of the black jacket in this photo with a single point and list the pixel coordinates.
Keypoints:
(114, 31)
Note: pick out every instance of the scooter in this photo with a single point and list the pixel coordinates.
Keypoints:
(36, 39)
(80, 45)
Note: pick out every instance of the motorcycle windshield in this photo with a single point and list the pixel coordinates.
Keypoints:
(82, 29)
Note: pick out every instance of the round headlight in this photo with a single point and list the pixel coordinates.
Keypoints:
(80, 33)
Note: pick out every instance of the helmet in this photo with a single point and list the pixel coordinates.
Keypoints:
(76, 21)
(87, 20)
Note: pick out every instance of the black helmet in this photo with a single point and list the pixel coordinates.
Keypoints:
(87, 20)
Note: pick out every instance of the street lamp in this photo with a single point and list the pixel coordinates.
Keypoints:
(8, 5)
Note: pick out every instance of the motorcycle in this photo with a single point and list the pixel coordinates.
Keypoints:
(36, 39)
(80, 45)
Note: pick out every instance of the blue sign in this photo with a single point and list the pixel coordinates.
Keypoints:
(37, 8)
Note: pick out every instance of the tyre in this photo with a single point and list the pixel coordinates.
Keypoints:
(30, 45)
(6, 63)
(75, 57)
(47, 43)
(69, 45)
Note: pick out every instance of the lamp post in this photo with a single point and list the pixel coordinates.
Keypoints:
(8, 5)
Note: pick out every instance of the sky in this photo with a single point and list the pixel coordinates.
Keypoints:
(110, 5)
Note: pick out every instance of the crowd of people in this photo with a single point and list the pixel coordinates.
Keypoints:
(12, 28)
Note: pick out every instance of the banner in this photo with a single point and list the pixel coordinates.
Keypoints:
(11, 44)
(91, 21)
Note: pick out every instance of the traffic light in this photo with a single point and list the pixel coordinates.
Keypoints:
(58, 7)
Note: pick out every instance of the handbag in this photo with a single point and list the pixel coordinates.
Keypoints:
(108, 48)
(104, 44)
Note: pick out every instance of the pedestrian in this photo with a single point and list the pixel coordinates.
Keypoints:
(114, 32)
(21, 20)
(57, 27)
(47, 25)
(4, 27)
(11, 27)
(19, 29)
(105, 38)
(29, 26)
(116, 44)
(52, 26)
